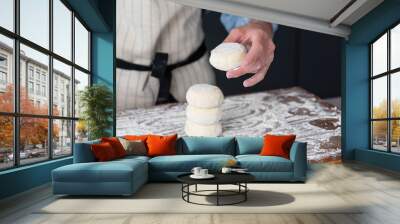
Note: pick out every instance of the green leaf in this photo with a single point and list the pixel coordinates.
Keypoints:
(96, 102)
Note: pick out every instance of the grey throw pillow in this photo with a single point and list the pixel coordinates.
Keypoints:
(137, 148)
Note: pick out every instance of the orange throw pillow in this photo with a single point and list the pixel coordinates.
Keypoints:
(277, 145)
(136, 137)
(161, 145)
(103, 152)
(116, 145)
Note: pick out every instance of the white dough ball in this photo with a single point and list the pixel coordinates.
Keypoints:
(204, 96)
(204, 116)
(193, 129)
(227, 56)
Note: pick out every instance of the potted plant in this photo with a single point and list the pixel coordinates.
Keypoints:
(96, 103)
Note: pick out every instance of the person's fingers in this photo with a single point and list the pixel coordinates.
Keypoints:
(235, 35)
(253, 56)
(258, 77)
(251, 63)
(236, 72)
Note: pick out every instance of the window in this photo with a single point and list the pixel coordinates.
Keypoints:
(3, 78)
(40, 62)
(81, 81)
(30, 88)
(44, 91)
(81, 45)
(3, 70)
(38, 74)
(7, 14)
(62, 137)
(48, 80)
(62, 31)
(3, 61)
(385, 91)
(34, 21)
(6, 142)
(30, 72)
(6, 74)
(38, 89)
(62, 74)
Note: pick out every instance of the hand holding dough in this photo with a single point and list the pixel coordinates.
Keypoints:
(227, 56)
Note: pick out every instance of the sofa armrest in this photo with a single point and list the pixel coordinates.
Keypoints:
(83, 152)
(298, 155)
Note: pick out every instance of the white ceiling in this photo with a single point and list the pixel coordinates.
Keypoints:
(321, 9)
(333, 17)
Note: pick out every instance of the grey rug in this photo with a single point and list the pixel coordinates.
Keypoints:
(166, 198)
(292, 110)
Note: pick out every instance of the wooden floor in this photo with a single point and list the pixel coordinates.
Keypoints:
(377, 188)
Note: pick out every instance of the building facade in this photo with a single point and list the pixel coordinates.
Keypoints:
(34, 81)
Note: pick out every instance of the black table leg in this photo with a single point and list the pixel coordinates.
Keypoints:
(245, 193)
(188, 190)
(182, 190)
(217, 194)
(220, 193)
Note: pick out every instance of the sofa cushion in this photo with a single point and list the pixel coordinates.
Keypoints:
(185, 163)
(116, 145)
(277, 145)
(248, 145)
(135, 147)
(257, 163)
(112, 171)
(103, 152)
(206, 145)
(132, 158)
(159, 145)
(142, 138)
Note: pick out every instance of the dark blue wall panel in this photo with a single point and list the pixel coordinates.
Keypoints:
(355, 111)
(24, 178)
(103, 62)
(377, 158)
(355, 91)
(99, 15)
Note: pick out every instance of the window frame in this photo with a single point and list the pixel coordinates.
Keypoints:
(16, 114)
(388, 74)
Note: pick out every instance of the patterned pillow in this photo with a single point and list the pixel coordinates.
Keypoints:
(134, 147)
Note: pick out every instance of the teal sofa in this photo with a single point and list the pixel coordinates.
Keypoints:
(125, 176)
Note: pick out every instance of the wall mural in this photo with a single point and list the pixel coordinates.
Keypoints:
(161, 53)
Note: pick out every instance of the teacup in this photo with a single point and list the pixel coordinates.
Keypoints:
(196, 171)
(203, 172)
(226, 170)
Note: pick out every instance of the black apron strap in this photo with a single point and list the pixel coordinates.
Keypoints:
(159, 70)
(162, 71)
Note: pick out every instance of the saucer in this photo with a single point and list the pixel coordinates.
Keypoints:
(208, 176)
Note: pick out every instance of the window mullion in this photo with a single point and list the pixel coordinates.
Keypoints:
(73, 82)
(50, 81)
(371, 89)
(16, 85)
(389, 101)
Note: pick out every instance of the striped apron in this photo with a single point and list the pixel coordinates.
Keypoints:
(145, 27)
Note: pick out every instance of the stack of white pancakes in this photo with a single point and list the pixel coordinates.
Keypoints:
(203, 112)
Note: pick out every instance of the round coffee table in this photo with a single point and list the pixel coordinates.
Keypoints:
(238, 179)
